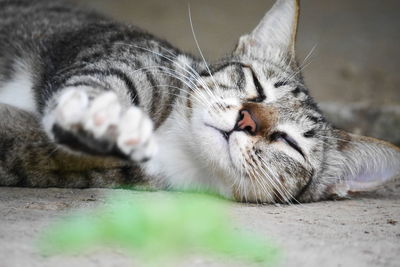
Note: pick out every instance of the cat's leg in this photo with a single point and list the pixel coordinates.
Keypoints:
(99, 122)
(29, 158)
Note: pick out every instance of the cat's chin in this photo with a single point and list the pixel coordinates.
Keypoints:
(246, 191)
(215, 147)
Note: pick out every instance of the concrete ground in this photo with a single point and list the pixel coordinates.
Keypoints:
(364, 231)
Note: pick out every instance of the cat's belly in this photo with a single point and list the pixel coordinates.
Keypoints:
(18, 90)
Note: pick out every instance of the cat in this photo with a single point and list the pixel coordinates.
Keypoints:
(90, 102)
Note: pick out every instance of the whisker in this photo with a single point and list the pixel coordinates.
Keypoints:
(203, 98)
(254, 189)
(335, 138)
(286, 194)
(271, 185)
(198, 46)
(266, 187)
(283, 192)
(309, 55)
(303, 65)
(193, 73)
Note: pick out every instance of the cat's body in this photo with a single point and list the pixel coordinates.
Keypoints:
(62, 49)
(109, 105)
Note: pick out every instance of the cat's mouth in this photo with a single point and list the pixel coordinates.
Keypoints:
(225, 134)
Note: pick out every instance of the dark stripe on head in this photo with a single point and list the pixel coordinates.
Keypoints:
(280, 84)
(217, 68)
(309, 134)
(260, 90)
(296, 92)
(314, 119)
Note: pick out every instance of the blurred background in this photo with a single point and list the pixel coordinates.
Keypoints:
(353, 71)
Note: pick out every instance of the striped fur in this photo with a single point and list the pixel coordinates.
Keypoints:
(89, 102)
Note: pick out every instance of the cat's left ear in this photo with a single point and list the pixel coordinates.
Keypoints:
(276, 31)
(362, 164)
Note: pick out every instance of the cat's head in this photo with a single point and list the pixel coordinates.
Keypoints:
(255, 125)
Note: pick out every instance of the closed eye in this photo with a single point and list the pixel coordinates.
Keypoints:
(257, 99)
(284, 137)
(280, 84)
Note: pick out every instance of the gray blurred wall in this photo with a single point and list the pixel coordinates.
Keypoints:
(357, 53)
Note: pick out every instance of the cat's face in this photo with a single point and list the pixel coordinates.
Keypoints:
(259, 128)
(255, 125)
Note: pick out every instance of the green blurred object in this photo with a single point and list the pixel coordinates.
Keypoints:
(154, 230)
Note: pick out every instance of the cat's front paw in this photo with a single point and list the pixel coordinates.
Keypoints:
(102, 126)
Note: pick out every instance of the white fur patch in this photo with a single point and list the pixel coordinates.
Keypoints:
(72, 105)
(177, 162)
(135, 134)
(18, 91)
(131, 130)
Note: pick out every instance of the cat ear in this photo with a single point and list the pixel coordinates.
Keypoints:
(363, 164)
(277, 30)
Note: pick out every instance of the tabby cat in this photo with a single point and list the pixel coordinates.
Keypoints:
(89, 102)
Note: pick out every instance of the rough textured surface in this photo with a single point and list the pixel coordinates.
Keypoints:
(364, 231)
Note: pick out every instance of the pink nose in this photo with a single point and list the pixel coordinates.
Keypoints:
(246, 122)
